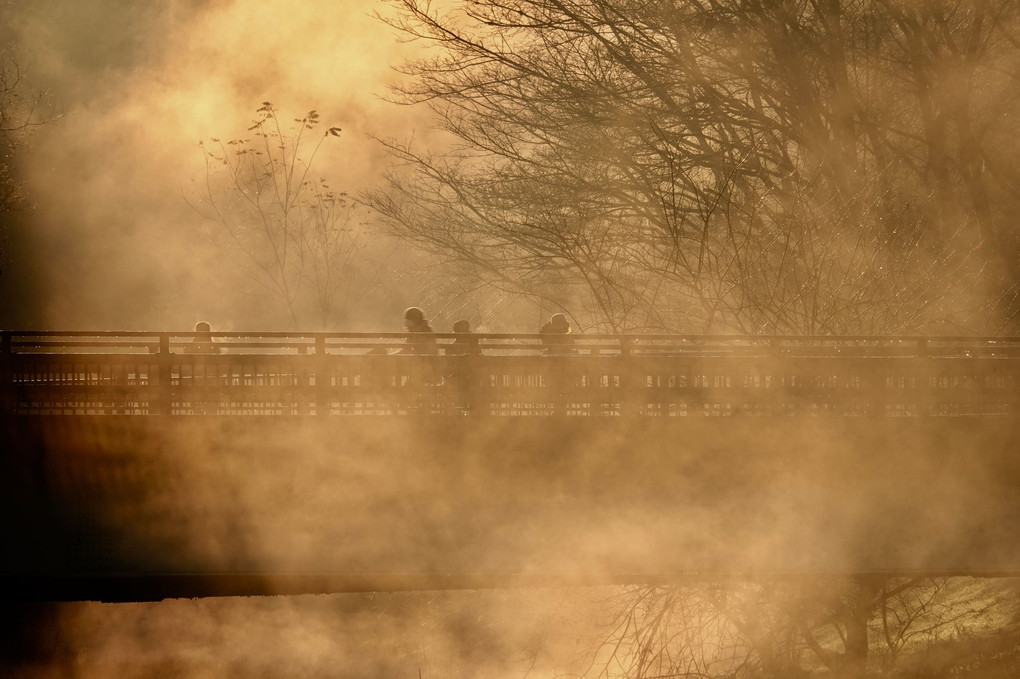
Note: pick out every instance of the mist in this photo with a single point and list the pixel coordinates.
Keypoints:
(107, 238)
(542, 540)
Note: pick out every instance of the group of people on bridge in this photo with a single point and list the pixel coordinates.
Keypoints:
(556, 336)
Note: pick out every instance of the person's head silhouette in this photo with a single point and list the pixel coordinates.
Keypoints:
(559, 323)
(413, 317)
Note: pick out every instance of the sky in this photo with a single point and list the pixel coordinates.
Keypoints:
(108, 239)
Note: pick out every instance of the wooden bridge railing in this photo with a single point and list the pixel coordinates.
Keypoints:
(269, 373)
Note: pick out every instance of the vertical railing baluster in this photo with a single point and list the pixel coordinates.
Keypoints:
(6, 374)
(164, 398)
(924, 392)
(631, 392)
(321, 376)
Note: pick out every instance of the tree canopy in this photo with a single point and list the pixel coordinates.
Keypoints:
(797, 166)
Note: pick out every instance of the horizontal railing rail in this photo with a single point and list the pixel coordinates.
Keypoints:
(279, 373)
(652, 344)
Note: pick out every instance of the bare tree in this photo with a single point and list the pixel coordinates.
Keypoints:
(298, 239)
(823, 166)
(21, 109)
(791, 629)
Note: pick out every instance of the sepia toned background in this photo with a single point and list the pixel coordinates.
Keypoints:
(541, 168)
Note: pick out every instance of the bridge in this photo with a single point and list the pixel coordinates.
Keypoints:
(139, 373)
(141, 465)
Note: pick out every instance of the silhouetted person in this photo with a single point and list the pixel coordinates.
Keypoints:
(203, 342)
(556, 334)
(203, 403)
(421, 340)
(464, 345)
(461, 370)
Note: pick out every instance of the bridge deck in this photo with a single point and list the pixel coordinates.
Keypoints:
(140, 373)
